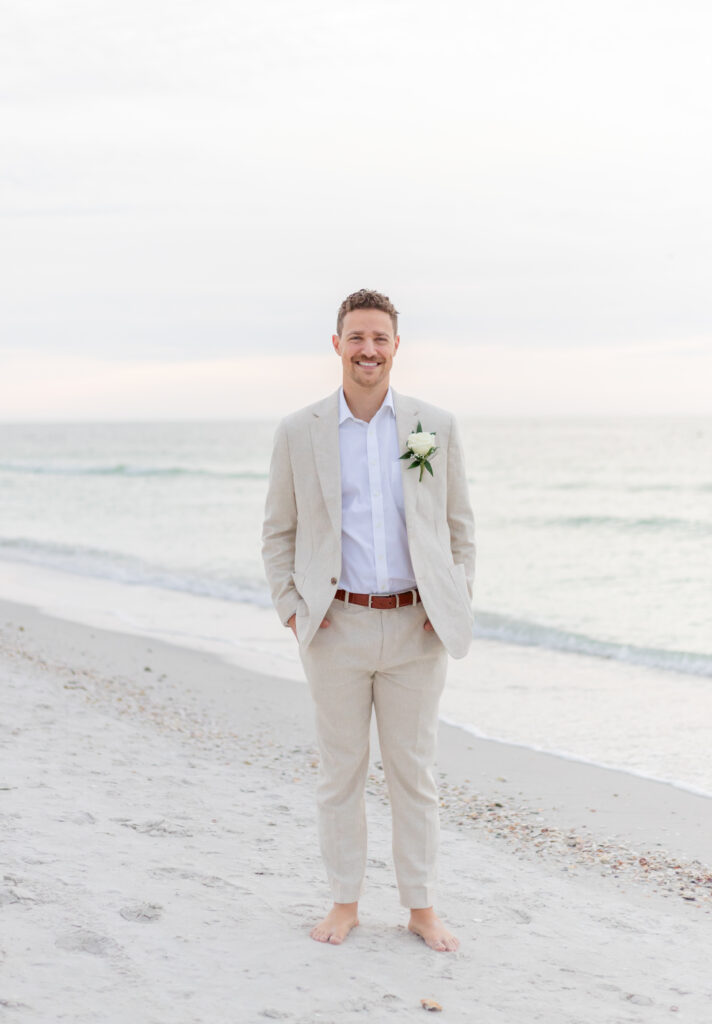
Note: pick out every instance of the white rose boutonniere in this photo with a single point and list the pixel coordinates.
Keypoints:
(421, 447)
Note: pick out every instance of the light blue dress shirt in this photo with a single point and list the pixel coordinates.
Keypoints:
(374, 542)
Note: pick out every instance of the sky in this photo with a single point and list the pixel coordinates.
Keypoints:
(189, 189)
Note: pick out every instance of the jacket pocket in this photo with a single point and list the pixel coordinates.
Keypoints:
(302, 607)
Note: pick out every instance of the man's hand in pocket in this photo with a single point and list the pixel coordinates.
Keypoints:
(292, 623)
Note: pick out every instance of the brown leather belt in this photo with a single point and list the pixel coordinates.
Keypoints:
(380, 601)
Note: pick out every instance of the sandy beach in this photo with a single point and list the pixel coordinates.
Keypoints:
(160, 860)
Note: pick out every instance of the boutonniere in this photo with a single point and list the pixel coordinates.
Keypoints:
(420, 447)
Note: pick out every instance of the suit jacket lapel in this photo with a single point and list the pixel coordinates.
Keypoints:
(406, 421)
(325, 443)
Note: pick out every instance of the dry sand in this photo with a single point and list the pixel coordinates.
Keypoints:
(160, 861)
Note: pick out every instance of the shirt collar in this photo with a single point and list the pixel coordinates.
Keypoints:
(346, 414)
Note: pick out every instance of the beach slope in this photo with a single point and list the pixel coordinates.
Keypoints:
(160, 860)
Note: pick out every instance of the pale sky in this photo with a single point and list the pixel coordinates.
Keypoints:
(188, 190)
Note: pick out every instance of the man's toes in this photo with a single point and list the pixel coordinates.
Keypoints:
(335, 940)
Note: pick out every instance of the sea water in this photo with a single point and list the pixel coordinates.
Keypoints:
(593, 629)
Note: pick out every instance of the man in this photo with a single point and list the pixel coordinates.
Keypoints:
(370, 560)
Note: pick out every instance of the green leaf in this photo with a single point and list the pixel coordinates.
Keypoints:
(428, 467)
(406, 455)
(414, 465)
(419, 429)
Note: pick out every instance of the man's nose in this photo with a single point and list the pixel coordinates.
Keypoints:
(368, 349)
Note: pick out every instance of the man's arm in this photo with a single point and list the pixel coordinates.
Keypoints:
(279, 529)
(459, 511)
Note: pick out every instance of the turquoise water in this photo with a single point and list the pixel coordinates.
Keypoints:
(594, 536)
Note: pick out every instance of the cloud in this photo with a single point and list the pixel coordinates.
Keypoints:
(186, 182)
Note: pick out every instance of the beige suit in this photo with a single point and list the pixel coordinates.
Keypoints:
(369, 657)
(302, 528)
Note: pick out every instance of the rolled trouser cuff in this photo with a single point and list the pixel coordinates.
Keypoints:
(346, 895)
(418, 897)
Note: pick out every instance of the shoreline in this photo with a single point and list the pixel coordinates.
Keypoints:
(567, 756)
(161, 860)
(535, 699)
(608, 804)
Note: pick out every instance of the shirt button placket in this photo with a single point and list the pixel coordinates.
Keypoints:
(374, 482)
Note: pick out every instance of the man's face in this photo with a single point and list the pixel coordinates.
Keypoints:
(366, 346)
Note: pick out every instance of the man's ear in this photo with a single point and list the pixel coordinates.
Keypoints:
(397, 343)
(335, 341)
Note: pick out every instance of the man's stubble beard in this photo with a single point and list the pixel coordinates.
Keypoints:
(364, 380)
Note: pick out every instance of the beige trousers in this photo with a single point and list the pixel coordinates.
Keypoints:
(383, 659)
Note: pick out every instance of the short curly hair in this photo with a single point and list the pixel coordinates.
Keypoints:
(364, 298)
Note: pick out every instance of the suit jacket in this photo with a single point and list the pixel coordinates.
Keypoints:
(301, 538)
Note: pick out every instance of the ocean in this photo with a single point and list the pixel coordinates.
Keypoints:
(594, 566)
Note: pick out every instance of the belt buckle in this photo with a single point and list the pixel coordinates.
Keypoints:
(370, 598)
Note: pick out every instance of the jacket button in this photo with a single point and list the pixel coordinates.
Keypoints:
(334, 579)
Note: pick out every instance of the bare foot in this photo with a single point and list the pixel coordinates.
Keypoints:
(337, 924)
(425, 923)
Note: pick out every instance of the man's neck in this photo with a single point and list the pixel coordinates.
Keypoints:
(364, 404)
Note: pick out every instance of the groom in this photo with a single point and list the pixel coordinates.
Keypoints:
(370, 560)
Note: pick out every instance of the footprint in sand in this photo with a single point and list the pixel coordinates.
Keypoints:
(158, 828)
(16, 893)
(633, 997)
(211, 881)
(142, 912)
(82, 818)
(521, 915)
(84, 941)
